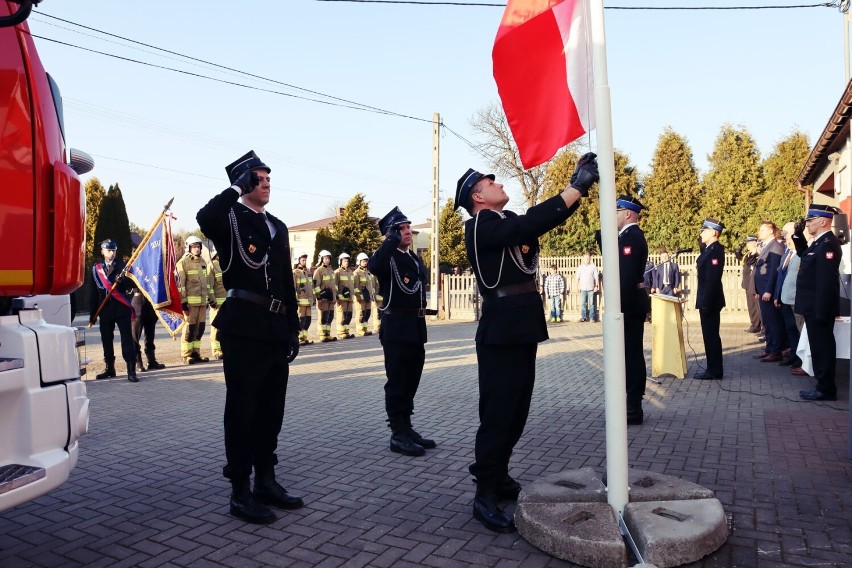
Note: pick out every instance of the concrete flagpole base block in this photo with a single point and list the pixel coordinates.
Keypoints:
(672, 533)
(672, 521)
(582, 533)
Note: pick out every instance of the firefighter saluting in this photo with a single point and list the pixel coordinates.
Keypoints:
(325, 292)
(303, 295)
(364, 293)
(195, 293)
(343, 279)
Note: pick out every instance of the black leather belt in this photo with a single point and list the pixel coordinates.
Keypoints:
(404, 312)
(512, 290)
(274, 305)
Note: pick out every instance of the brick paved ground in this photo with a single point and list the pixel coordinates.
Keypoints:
(148, 489)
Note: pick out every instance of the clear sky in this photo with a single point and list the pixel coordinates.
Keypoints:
(161, 134)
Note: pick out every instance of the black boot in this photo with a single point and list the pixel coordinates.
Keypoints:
(634, 413)
(131, 373)
(107, 373)
(153, 364)
(486, 511)
(401, 441)
(246, 507)
(269, 492)
(139, 363)
(417, 438)
(508, 488)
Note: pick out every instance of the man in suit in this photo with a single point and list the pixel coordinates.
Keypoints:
(710, 298)
(502, 247)
(258, 332)
(402, 277)
(666, 276)
(818, 296)
(116, 311)
(765, 278)
(749, 261)
(632, 258)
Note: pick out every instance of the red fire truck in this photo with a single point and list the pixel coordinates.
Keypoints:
(44, 409)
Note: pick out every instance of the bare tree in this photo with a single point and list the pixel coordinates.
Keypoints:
(499, 148)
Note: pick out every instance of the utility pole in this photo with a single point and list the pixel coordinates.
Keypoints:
(436, 204)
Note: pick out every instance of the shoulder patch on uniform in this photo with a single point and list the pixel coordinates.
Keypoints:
(627, 251)
(714, 261)
(829, 254)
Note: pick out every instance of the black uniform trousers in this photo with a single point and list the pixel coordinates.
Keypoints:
(403, 367)
(634, 357)
(145, 323)
(710, 321)
(773, 325)
(256, 374)
(823, 353)
(108, 322)
(753, 311)
(506, 381)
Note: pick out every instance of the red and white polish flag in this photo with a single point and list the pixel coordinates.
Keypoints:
(541, 66)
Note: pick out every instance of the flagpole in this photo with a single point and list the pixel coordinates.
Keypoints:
(130, 262)
(613, 319)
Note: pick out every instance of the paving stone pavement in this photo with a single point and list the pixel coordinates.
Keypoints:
(148, 489)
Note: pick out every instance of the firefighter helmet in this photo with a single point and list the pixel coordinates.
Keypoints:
(323, 253)
(192, 240)
(362, 256)
(343, 255)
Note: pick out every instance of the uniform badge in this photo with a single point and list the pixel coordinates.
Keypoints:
(525, 249)
(628, 251)
(714, 261)
(252, 248)
(405, 279)
(829, 254)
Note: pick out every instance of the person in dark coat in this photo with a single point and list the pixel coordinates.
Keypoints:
(632, 258)
(258, 332)
(402, 278)
(503, 249)
(818, 296)
(666, 276)
(117, 311)
(765, 279)
(749, 261)
(710, 297)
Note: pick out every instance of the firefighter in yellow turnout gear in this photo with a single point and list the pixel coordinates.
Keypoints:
(380, 301)
(219, 295)
(344, 280)
(304, 294)
(325, 292)
(364, 293)
(195, 292)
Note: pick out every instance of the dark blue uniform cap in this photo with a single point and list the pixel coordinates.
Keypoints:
(392, 219)
(711, 223)
(751, 239)
(109, 244)
(816, 210)
(629, 202)
(464, 187)
(248, 161)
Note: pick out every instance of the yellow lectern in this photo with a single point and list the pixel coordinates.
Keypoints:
(668, 356)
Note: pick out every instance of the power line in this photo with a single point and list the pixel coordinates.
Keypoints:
(833, 4)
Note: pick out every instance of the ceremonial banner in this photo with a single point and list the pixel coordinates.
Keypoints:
(541, 65)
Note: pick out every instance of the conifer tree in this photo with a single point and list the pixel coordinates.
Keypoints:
(354, 230)
(95, 195)
(451, 248)
(671, 195)
(782, 201)
(733, 185)
(324, 241)
(113, 223)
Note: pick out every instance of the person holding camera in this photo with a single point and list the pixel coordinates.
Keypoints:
(325, 291)
(503, 250)
(402, 277)
(258, 332)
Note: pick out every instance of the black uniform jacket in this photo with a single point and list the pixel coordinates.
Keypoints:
(709, 267)
(238, 316)
(114, 308)
(632, 258)
(818, 282)
(405, 325)
(490, 238)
